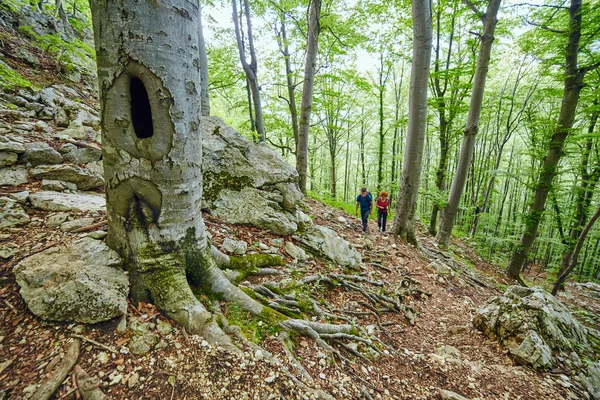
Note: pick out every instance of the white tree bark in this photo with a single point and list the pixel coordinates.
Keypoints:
(204, 94)
(404, 222)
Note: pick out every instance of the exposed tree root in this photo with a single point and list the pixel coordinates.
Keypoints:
(60, 372)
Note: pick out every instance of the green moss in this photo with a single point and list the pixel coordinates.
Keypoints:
(11, 79)
(250, 262)
(213, 183)
(254, 328)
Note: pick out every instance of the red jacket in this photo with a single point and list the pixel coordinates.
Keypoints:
(382, 205)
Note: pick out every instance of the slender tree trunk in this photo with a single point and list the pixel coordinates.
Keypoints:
(572, 88)
(307, 90)
(406, 204)
(204, 94)
(448, 215)
(573, 261)
(249, 68)
(283, 48)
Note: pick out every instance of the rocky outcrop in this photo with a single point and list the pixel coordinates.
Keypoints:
(538, 330)
(13, 176)
(247, 183)
(82, 282)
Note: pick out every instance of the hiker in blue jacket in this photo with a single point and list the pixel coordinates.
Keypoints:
(365, 200)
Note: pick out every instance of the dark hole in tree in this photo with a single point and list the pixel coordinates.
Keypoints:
(141, 112)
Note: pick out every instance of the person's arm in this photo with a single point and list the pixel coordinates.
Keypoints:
(389, 205)
(356, 211)
(371, 209)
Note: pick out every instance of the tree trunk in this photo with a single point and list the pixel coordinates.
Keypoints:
(249, 68)
(573, 261)
(448, 215)
(406, 204)
(152, 153)
(572, 87)
(307, 90)
(283, 48)
(204, 94)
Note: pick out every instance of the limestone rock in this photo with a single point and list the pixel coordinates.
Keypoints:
(83, 156)
(39, 153)
(57, 186)
(57, 201)
(247, 183)
(56, 220)
(70, 226)
(13, 176)
(82, 282)
(251, 206)
(533, 350)
(83, 178)
(11, 213)
(142, 339)
(295, 251)
(237, 247)
(448, 395)
(20, 197)
(533, 323)
(8, 158)
(326, 242)
(8, 251)
(7, 145)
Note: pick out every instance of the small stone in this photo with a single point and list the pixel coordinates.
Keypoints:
(11, 213)
(238, 247)
(263, 246)
(7, 252)
(342, 219)
(48, 184)
(98, 235)
(259, 355)
(277, 242)
(55, 220)
(163, 327)
(271, 378)
(20, 197)
(133, 380)
(295, 251)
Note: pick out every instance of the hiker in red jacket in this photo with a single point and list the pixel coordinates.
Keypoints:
(383, 205)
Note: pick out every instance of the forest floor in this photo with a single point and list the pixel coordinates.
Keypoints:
(440, 351)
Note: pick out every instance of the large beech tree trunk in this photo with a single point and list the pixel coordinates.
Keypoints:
(572, 88)
(307, 90)
(448, 214)
(204, 93)
(406, 206)
(152, 151)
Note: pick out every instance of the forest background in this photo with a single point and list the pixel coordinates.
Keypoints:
(360, 110)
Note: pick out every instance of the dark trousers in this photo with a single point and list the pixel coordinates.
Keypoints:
(381, 220)
(364, 215)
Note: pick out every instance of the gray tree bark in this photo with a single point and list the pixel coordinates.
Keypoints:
(147, 55)
(283, 48)
(404, 221)
(448, 214)
(314, 29)
(204, 93)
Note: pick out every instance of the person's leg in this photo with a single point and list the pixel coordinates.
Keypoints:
(383, 222)
(365, 218)
(379, 219)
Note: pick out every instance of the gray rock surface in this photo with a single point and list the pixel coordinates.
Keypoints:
(83, 156)
(237, 247)
(8, 158)
(82, 282)
(13, 176)
(247, 183)
(327, 243)
(39, 153)
(56, 220)
(7, 145)
(58, 201)
(295, 251)
(532, 323)
(75, 224)
(82, 177)
(11, 213)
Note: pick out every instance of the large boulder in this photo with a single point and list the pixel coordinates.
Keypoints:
(326, 242)
(532, 324)
(59, 201)
(82, 282)
(247, 183)
(82, 177)
(13, 176)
